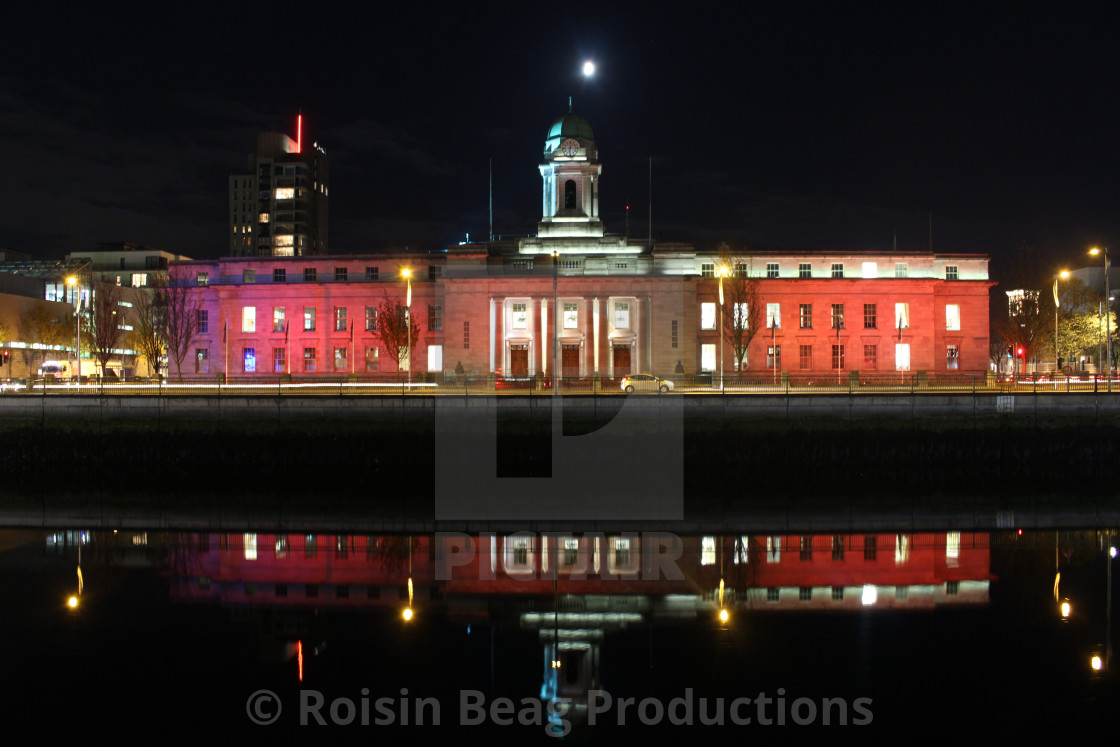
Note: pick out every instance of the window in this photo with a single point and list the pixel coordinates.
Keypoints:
(902, 316)
(674, 330)
(279, 275)
(707, 550)
(339, 318)
(805, 357)
(249, 319)
(309, 275)
(951, 357)
(870, 270)
(837, 270)
(870, 547)
(202, 321)
(771, 269)
(371, 319)
(708, 270)
(435, 318)
(708, 357)
(952, 588)
(773, 549)
(570, 195)
(140, 280)
(953, 317)
(286, 193)
(806, 548)
(340, 274)
(901, 549)
(340, 360)
(202, 278)
(774, 357)
(837, 547)
(870, 316)
(805, 270)
(309, 359)
(435, 358)
(871, 357)
(309, 319)
(201, 360)
(740, 319)
(371, 273)
(434, 272)
(571, 551)
(952, 545)
(837, 357)
(773, 316)
(520, 316)
(249, 359)
(838, 316)
(372, 358)
(806, 316)
(951, 272)
(622, 315)
(571, 316)
(805, 594)
(262, 218)
(900, 270)
(838, 593)
(773, 594)
(279, 360)
(902, 356)
(707, 316)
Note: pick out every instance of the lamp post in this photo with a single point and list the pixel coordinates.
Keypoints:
(722, 275)
(72, 281)
(406, 273)
(1108, 315)
(555, 324)
(1060, 276)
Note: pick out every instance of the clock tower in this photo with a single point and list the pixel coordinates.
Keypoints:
(570, 180)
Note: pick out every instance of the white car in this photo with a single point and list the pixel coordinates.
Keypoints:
(646, 383)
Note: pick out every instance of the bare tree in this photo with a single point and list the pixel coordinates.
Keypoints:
(105, 332)
(149, 331)
(1028, 324)
(181, 315)
(743, 318)
(393, 319)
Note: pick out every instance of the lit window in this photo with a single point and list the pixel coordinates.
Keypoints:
(339, 318)
(806, 316)
(278, 319)
(773, 316)
(249, 357)
(201, 360)
(707, 316)
(953, 545)
(250, 546)
(372, 356)
(902, 316)
(371, 319)
(870, 270)
(262, 218)
(340, 361)
(901, 548)
(520, 316)
(707, 551)
(279, 360)
(309, 359)
(284, 239)
(902, 356)
(952, 357)
(740, 319)
(286, 193)
(622, 315)
(707, 357)
(571, 316)
(139, 280)
(202, 278)
(309, 319)
(953, 317)
(249, 319)
(773, 549)
(435, 358)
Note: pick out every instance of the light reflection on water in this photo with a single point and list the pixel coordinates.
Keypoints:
(968, 621)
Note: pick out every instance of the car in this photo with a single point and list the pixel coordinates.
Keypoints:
(645, 383)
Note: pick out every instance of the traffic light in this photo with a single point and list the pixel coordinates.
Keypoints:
(1019, 352)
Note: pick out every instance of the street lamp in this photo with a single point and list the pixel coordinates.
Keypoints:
(555, 323)
(1108, 316)
(72, 281)
(406, 273)
(722, 275)
(1060, 276)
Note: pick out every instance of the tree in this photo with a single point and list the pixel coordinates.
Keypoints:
(105, 332)
(40, 324)
(1029, 322)
(743, 317)
(181, 315)
(149, 332)
(1080, 320)
(392, 325)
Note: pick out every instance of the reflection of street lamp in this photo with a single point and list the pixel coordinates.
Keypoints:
(1108, 316)
(1061, 275)
(407, 275)
(72, 281)
(722, 275)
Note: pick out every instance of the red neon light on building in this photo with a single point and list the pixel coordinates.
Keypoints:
(299, 658)
(299, 133)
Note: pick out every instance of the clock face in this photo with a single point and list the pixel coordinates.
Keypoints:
(569, 147)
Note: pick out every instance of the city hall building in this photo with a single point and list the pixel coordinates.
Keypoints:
(607, 305)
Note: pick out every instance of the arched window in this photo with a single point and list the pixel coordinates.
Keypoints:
(570, 195)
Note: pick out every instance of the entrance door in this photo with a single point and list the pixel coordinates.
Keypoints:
(519, 360)
(621, 360)
(570, 360)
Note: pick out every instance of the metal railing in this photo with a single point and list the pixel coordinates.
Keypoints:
(847, 382)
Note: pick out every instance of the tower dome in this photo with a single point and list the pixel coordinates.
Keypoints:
(571, 125)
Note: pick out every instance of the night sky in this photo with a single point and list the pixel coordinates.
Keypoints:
(794, 125)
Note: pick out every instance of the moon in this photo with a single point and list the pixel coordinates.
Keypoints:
(588, 69)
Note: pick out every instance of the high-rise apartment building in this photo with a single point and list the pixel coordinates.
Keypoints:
(278, 205)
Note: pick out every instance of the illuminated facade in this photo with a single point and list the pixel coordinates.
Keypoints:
(278, 205)
(608, 305)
